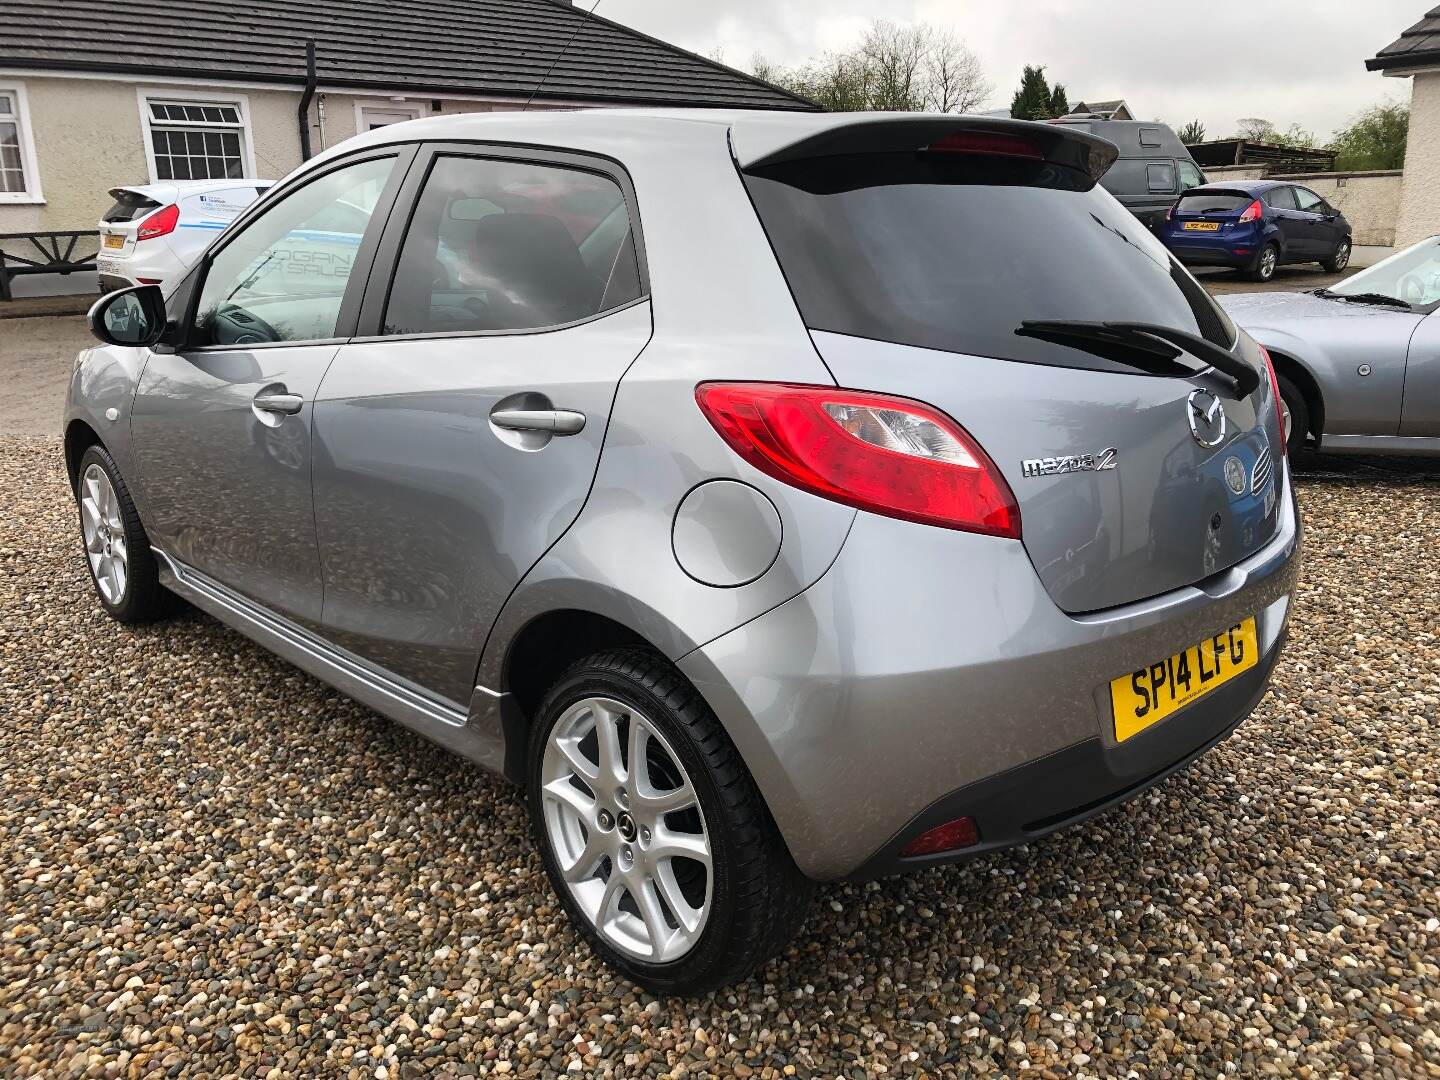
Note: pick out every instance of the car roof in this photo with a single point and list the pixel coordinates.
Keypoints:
(756, 135)
(1250, 187)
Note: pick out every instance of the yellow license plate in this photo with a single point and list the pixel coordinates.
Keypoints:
(114, 241)
(1151, 694)
(1201, 226)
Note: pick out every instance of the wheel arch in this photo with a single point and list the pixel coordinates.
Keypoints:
(79, 437)
(1288, 367)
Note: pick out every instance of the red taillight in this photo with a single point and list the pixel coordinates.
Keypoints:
(960, 833)
(890, 455)
(1002, 143)
(159, 223)
(1253, 212)
(1275, 390)
(1170, 214)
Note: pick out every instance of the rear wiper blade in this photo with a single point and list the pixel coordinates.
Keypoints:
(1146, 354)
(1364, 298)
(1154, 337)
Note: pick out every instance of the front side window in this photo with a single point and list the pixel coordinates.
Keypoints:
(1190, 176)
(284, 277)
(17, 169)
(1160, 176)
(196, 140)
(1308, 201)
(508, 245)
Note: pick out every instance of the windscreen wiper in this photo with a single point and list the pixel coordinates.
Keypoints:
(1364, 298)
(1164, 342)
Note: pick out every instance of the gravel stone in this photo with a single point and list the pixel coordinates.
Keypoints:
(213, 865)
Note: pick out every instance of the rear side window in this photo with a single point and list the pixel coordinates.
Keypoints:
(1160, 176)
(130, 205)
(1213, 202)
(1149, 136)
(953, 252)
(1282, 198)
(508, 245)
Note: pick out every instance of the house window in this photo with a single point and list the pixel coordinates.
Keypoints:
(19, 181)
(197, 140)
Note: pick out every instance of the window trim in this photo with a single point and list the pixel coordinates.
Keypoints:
(145, 95)
(362, 268)
(29, 163)
(381, 279)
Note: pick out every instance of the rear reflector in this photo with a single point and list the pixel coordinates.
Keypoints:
(889, 455)
(953, 835)
(160, 223)
(988, 142)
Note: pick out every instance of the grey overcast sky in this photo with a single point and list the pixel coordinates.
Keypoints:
(1289, 61)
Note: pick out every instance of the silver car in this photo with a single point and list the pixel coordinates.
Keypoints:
(780, 498)
(1358, 362)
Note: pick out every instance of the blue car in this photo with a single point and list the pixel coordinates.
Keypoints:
(1255, 226)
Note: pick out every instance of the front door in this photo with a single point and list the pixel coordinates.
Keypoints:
(222, 427)
(1420, 414)
(459, 442)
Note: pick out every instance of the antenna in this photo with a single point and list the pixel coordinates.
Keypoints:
(558, 55)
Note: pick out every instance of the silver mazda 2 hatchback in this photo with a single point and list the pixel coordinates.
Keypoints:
(780, 498)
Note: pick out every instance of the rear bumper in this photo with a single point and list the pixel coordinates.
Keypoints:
(901, 691)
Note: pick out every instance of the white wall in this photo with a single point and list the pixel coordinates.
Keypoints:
(1420, 199)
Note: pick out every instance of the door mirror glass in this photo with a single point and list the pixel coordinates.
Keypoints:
(131, 317)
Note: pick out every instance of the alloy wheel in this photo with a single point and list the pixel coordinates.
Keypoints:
(624, 822)
(1267, 263)
(104, 533)
(1342, 256)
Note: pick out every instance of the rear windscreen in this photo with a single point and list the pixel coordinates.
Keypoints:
(953, 252)
(130, 205)
(1213, 202)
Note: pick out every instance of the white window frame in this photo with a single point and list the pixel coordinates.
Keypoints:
(416, 109)
(29, 164)
(145, 95)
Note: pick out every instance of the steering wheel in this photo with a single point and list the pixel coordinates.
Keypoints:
(234, 325)
(1412, 289)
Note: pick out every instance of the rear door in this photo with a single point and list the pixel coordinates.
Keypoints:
(1314, 224)
(457, 440)
(1288, 220)
(916, 272)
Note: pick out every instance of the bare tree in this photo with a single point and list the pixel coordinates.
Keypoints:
(956, 79)
(894, 68)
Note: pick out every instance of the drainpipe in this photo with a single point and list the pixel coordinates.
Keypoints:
(305, 99)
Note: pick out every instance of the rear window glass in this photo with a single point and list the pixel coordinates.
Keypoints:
(130, 205)
(1213, 202)
(953, 252)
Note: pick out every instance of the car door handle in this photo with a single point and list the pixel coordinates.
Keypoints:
(552, 421)
(279, 402)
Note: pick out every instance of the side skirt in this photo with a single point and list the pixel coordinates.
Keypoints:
(1380, 444)
(477, 735)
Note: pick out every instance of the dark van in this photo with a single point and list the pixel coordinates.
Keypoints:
(1154, 168)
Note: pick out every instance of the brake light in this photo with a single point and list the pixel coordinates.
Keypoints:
(960, 833)
(1170, 214)
(160, 223)
(1002, 143)
(1275, 391)
(889, 455)
(1253, 212)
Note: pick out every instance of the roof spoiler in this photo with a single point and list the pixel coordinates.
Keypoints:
(879, 133)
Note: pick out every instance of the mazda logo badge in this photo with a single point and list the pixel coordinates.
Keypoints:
(1207, 417)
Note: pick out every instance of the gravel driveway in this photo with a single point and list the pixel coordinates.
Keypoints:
(211, 863)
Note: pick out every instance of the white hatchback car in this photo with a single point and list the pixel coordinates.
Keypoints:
(154, 232)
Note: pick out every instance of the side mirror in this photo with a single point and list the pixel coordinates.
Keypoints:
(133, 317)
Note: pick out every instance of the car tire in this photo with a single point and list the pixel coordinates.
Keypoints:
(1340, 259)
(1298, 410)
(684, 929)
(117, 551)
(1266, 260)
